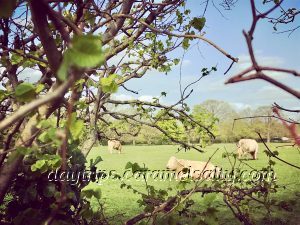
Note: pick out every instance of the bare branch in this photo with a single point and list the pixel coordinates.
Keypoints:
(258, 71)
(25, 109)
(275, 156)
(192, 36)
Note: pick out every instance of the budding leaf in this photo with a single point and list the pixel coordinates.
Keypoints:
(16, 58)
(85, 52)
(163, 94)
(39, 88)
(38, 165)
(185, 43)
(108, 84)
(198, 23)
(23, 150)
(76, 127)
(25, 92)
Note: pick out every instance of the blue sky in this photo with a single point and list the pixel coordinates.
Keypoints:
(270, 49)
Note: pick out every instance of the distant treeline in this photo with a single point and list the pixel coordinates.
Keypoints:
(228, 125)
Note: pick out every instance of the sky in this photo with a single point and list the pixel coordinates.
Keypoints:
(279, 50)
(270, 49)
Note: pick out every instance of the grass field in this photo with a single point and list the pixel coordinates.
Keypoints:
(121, 204)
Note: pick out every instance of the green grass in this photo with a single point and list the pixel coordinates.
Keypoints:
(121, 204)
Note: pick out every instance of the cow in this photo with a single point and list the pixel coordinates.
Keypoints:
(114, 145)
(247, 146)
(196, 169)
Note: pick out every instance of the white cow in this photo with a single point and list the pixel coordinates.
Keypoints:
(114, 145)
(247, 146)
(196, 169)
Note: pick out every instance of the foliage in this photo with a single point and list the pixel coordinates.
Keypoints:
(109, 84)
(230, 130)
(84, 52)
(25, 92)
(198, 23)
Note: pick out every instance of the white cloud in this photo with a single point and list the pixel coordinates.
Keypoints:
(245, 62)
(30, 75)
(122, 97)
(217, 85)
(240, 105)
(148, 98)
(270, 92)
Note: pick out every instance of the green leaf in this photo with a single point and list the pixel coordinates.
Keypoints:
(97, 160)
(209, 198)
(48, 135)
(176, 61)
(39, 88)
(24, 150)
(29, 63)
(3, 95)
(15, 58)
(85, 52)
(185, 43)
(128, 165)
(7, 7)
(108, 84)
(135, 167)
(76, 127)
(45, 123)
(38, 165)
(276, 153)
(179, 17)
(25, 92)
(63, 70)
(198, 23)
(87, 193)
(55, 162)
(91, 190)
(214, 68)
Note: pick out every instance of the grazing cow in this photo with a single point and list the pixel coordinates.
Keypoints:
(196, 169)
(114, 145)
(247, 146)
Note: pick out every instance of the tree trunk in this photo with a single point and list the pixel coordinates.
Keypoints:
(89, 143)
(9, 169)
(268, 137)
(92, 137)
(189, 139)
